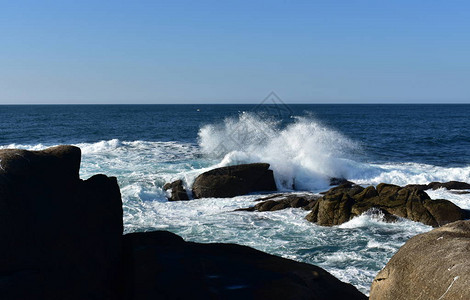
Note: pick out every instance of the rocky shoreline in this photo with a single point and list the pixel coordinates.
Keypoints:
(62, 238)
(423, 268)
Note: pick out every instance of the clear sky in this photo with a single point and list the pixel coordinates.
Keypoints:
(234, 51)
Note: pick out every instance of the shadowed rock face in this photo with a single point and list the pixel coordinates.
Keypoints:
(234, 181)
(60, 237)
(342, 203)
(432, 265)
(186, 270)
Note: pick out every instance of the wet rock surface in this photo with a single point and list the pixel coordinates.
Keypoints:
(451, 185)
(234, 181)
(340, 204)
(178, 192)
(283, 201)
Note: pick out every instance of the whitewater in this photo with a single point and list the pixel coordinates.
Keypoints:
(304, 154)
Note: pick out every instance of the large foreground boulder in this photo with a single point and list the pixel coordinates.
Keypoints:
(342, 203)
(432, 265)
(161, 265)
(234, 181)
(60, 237)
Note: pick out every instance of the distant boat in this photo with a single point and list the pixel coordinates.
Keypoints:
(198, 109)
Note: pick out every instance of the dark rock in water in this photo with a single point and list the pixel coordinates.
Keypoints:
(460, 192)
(160, 265)
(342, 203)
(60, 237)
(273, 196)
(178, 192)
(348, 187)
(233, 181)
(451, 185)
(338, 181)
(420, 187)
(283, 201)
(432, 265)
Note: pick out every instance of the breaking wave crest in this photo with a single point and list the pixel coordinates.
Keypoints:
(303, 154)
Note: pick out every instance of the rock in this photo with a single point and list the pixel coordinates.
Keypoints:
(342, 203)
(283, 201)
(338, 181)
(460, 192)
(347, 187)
(233, 181)
(60, 237)
(421, 187)
(432, 265)
(178, 192)
(276, 196)
(451, 185)
(332, 210)
(160, 265)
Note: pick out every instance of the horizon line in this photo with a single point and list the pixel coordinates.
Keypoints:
(244, 103)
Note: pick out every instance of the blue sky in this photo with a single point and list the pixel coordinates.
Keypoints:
(234, 51)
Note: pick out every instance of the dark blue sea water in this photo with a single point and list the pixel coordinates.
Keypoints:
(434, 134)
(145, 146)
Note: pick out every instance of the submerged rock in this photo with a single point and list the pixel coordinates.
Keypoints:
(60, 237)
(161, 265)
(178, 192)
(283, 201)
(432, 265)
(234, 181)
(342, 203)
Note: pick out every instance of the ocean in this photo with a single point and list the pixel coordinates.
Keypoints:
(145, 146)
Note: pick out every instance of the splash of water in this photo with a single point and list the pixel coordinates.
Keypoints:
(303, 154)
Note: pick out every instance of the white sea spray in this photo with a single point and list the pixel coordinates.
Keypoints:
(304, 154)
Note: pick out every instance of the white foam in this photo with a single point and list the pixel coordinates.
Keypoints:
(461, 200)
(305, 150)
(100, 147)
(34, 147)
(342, 256)
(354, 251)
(361, 277)
(370, 217)
(407, 173)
